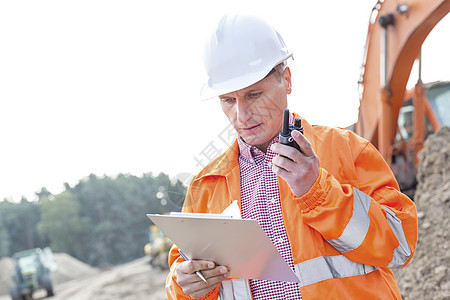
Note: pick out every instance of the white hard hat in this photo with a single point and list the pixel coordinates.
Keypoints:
(241, 50)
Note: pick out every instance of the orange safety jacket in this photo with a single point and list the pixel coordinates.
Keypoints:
(346, 232)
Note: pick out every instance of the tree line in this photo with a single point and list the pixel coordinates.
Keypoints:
(101, 220)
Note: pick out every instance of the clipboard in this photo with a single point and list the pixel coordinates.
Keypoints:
(239, 244)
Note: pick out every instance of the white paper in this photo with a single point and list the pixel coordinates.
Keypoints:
(233, 210)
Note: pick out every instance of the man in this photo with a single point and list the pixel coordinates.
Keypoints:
(333, 210)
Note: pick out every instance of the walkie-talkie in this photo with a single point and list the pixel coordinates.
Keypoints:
(285, 134)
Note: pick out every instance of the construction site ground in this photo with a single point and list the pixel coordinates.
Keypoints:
(75, 280)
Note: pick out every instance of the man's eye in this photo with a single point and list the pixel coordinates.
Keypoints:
(254, 95)
(228, 100)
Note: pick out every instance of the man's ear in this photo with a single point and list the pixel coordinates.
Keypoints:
(287, 80)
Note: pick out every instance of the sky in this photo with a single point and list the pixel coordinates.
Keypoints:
(109, 87)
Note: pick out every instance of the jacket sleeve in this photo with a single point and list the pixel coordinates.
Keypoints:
(369, 221)
(173, 290)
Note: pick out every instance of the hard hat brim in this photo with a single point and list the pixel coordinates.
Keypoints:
(212, 91)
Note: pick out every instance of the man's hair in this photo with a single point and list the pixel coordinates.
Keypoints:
(279, 70)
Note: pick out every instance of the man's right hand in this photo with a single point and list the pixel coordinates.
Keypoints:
(192, 284)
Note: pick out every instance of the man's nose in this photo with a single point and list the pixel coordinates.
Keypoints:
(243, 111)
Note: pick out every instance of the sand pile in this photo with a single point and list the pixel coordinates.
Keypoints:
(68, 268)
(428, 274)
(7, 265)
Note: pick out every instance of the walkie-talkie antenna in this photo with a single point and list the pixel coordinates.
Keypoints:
(285, 129)
(285, 136)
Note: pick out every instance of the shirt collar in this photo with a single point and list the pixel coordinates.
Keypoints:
(252, 154)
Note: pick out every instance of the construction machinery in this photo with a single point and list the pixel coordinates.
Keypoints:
(157, 249)
(32, 273)
(395, 120)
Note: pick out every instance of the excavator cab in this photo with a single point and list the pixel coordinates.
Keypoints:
(405, 123)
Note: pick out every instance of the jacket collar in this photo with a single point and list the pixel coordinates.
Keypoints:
(223, 164)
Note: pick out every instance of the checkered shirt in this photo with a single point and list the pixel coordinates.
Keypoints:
(260, 200)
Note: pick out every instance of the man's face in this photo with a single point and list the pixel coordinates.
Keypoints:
(256, 112)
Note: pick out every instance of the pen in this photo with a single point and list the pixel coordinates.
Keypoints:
(187, 259)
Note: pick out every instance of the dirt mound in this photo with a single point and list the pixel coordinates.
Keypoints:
(70, 268)
(428, 274)
(6, 271)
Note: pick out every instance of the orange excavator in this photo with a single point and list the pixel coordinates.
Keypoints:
(396, 120)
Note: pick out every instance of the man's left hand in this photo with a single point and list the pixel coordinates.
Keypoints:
(300, 173)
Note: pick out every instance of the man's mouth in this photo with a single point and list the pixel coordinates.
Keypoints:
(251, 129)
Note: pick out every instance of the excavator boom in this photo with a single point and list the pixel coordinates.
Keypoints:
(397, 30)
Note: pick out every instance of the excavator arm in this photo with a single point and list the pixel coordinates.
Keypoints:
(397, 30)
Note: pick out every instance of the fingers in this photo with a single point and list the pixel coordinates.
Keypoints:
(289, 170)
(196, 265)
(215, 272)
(304, 144)
(291, 152)
(283, 173)
(212, 277)
(282, 165)
(191, 283)
(195, 287)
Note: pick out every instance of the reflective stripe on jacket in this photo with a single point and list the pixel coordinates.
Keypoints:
(346, 232)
